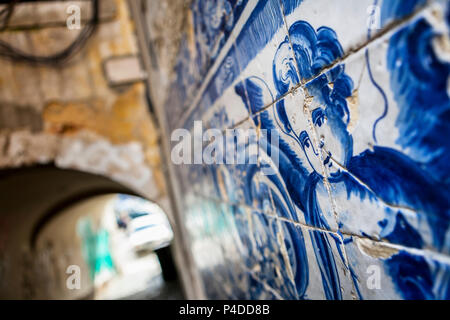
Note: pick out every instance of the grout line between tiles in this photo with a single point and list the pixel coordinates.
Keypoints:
(337, 233)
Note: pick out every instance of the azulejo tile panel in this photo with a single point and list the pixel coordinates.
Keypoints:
(353, 98)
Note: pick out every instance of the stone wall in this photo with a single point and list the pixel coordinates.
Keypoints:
(73, 116)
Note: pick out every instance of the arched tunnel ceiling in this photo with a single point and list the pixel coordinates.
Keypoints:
(30, 197)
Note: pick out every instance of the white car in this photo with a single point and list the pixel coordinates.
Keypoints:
(149, 232)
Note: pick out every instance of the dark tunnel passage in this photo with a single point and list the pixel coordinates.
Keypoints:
(53, 219)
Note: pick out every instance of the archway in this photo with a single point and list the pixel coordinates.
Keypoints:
(32, 200)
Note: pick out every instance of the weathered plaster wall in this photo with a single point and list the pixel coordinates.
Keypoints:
(358, 206)
(70, 114)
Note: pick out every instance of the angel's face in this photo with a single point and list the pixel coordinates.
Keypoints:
(299, 129)
(328, 128)
(311, 150)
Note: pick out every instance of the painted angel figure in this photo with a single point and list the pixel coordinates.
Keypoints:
(301, 173)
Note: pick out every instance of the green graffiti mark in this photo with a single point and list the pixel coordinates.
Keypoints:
(95, 248)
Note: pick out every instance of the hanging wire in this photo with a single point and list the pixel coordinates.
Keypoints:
(15, 54)
(6, 14)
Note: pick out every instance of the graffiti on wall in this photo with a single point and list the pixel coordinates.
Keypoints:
(96, 251)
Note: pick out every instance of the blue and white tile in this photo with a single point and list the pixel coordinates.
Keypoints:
(259, 290)
(320, 22)
(219, 104)
(242, 232)
(186, 78)
(233, 251)
(385, 271)
(382, 169)
(229, 165)
(369, 84)
(319, 263)
(297, 179)
(228, 110)
(210, 20)
(269, 255)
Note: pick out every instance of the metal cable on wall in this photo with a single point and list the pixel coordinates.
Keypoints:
(15, 54)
